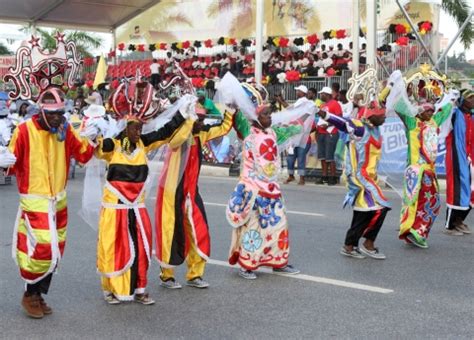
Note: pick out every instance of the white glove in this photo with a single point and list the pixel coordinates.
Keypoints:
(90, 131)
(7, 159)
(5, 132)
(114, 128)
(188, 111)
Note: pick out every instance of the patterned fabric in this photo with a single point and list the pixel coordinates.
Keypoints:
(263, 240)
(124, 238)
(459, 149)
(41, 170)
(125, 234)
(178, 200)
(421, 203)
(256, 210)
(421, 198)
(364, 149)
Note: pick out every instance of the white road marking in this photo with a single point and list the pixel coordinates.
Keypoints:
(318, 279)
(288, 211)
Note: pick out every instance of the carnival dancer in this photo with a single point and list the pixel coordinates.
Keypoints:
(364, 194)
(421, 201)
(460, 166)
(43, 147)
(256, 209)
(125, 235)
(182, 231)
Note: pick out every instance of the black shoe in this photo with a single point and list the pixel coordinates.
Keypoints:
(321, 180)
(332, 180)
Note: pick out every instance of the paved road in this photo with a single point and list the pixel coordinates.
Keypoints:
(413, 294)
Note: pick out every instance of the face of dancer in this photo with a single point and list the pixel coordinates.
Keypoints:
(468, 104)
(377, 120)
(265, 118)
(426, 115)
(134, 131)
(53, 118)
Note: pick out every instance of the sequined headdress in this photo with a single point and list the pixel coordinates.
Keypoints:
(37, 70)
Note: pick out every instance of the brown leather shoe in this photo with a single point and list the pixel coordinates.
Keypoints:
(31, 305)
(44, 306)
(290, 178)
(302, 181)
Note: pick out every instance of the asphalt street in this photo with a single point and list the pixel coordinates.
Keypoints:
(415, 293)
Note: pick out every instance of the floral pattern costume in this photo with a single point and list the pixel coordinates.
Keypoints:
(256, 209)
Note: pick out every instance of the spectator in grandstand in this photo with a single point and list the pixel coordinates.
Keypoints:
(155, 73)
(326, 61)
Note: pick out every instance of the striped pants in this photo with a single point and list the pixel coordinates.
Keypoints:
(365, 224)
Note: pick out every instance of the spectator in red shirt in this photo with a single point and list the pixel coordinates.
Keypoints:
(328, 137)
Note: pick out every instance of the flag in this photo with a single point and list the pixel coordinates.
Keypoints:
(100, 73)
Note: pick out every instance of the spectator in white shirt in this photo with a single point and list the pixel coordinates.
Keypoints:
(225, 64)
(203, 64)
(340, 51)
(196, 63)
(155, 73)
(317, 63)
(322, 51)
(326, 61)
(331, 52)
(266, 55)
(179, 56)
(169, 61)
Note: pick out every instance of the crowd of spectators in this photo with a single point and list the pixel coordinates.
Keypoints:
(317, 61)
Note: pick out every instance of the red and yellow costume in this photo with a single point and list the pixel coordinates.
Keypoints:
(41, 170)
(125, 241)
(181, 223)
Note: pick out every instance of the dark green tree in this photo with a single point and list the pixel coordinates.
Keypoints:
(4, 50)
(85, 41)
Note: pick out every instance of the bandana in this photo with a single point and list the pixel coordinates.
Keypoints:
(373, 109)
(467, 93)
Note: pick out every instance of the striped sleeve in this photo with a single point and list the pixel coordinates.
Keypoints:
(81, 148)
(217, 130)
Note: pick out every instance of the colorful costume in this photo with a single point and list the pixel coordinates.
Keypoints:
(459, 166)
(365, 195)
(124, 243)
(256, 209)
(41, 170)
(181, 224)
(43, 147)
(421, 201)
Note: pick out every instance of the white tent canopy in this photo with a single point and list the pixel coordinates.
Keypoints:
(94, 15)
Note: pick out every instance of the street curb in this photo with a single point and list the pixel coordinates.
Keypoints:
(223, 171)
